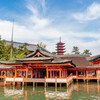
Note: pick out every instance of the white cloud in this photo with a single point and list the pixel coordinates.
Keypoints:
(91, 13)
(50, 36)
(43, 4)
(36, 20)
(40, 29)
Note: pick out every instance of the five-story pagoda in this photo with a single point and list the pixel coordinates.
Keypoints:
(60, 47)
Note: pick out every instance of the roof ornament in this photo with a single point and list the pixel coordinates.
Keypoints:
(37, 47)
(60, 39)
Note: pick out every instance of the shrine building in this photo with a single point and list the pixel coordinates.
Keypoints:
(41, 66)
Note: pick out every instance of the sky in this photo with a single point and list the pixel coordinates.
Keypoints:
(77, 22)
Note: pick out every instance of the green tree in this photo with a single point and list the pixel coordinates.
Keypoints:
(4, 50)
(41, 45)
(53, 52)
(87, 52)
(19, 52)
(75, 50)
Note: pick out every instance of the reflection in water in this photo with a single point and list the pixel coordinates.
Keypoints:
(59, 94)
(10, 92)
(76, 91)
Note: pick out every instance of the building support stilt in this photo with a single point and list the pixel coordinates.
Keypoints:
(23, 84)
(87, 80)
(36, 84)
(45, 84)
(55, 85)
(33, 84)
(97, 80)
(67, 85)
(4, 83)
(13, 83)
(60, 85)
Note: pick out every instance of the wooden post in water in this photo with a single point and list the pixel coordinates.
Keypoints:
(56, 82)
(60, 85)
(33, 84)
(36, 84)
(13, 83)
(45, 84)
(4, 83)
(55, 85)
(23, 84)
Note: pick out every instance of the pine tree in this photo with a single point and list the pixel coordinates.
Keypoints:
(75, 50)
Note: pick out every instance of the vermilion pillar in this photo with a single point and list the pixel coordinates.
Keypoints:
(86, 73)
(53, 74)
(60, 73)
(5, 73)
(18, 73)
(32, 73)
(36, 73)
(21, 73)
(15, 72)
(12, 73)
(42, 73)
(76, 73)
(97, 75)
(26, 73)
(39, 73)
(50, 74)
(66, 73)
(47, 72)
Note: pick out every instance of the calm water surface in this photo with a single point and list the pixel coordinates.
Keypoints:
(80, 91)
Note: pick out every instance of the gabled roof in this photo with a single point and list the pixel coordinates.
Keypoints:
(41, 51)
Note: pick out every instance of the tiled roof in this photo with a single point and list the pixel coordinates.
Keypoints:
(73, 55)
(35, 59)
(45, 53)
(5, 67)
(58, 62)
(11, 63)
(80, 62)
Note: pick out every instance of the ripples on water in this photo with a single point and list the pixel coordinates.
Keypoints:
(80, 91)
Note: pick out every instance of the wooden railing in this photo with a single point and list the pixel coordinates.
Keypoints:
(14, 79)
(84, 77)
(59, 80)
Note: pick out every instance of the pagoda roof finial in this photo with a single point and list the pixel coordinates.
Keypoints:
(60, 39)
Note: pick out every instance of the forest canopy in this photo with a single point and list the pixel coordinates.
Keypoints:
(5, 50)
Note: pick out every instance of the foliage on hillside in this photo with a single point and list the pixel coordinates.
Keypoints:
(5, 49)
